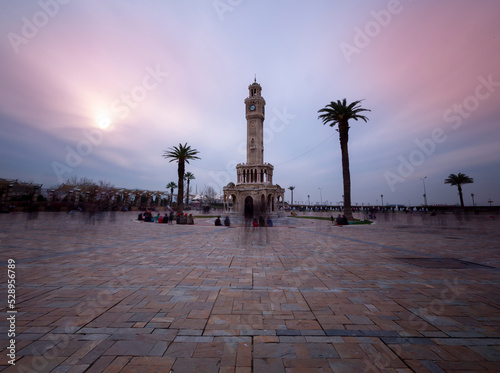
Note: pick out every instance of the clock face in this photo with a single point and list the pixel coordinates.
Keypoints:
(252, 107)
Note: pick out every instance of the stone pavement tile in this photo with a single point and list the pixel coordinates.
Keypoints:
(37, 348)
(302, 324)
(80, 368)
(208, 350)
(419, 352)
(244, 355)
(117, 364)
(307, 365)
(223, 322)
(243, 370)
(267, 365)
(152, 361)
(459, 366)
(101, 364)
(292, 339)
(322, 351)
(349, 351)
(461, 353)
(89, 353)
(383, 356)
(229, 354)
(181, 349)
(266, 339)
(490, 353)
(351, 365)
(130, 348)
(273, 350)
(159, 348)
(198, 365)
(34, 364)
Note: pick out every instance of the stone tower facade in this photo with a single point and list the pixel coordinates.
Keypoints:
(254, 193)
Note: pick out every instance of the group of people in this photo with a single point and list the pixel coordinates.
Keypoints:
(341, 220)
(261, 222)
(227, 222)
(179, 218)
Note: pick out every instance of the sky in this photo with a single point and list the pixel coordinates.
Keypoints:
(100, 89)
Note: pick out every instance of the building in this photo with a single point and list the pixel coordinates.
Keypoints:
(254, 193)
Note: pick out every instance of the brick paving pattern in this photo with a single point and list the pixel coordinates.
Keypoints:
(111, 294)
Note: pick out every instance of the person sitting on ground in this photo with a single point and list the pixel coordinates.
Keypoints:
(190, 219)
(344, 220)
(339, 220)
(255, 223)
(140, 217)
(217, 221)
(269, 222)
(184, 219)
(227, 222)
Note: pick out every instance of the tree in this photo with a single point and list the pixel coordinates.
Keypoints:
(291, 188)
(209, 193)
(339, 113)
(171, 186)
(459, 180)
(181, 154)
(188, 176)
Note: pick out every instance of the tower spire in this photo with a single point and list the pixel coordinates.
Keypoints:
(255, 78)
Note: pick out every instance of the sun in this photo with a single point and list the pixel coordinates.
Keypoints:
(103, 122)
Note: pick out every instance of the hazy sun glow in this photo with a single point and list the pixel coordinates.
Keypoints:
(103, 122)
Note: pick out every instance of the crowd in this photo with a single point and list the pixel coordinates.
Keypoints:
(168, 218)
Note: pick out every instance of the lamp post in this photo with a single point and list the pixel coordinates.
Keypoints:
(425, 193)
(308, 200)
(382, 198)
(472, 195)
(320, 196)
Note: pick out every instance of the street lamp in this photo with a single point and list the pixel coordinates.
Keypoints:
(382, 197)
(308, 200)
(472, 195)
(320, 196)
(425, 193)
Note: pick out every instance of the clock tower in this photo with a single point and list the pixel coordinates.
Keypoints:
(255, 114)
(254, 194)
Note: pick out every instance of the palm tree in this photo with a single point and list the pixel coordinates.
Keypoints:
(338, 113)
(171, 186)
(182, 154)
(291, 188)
(459, 180)
(188, 176)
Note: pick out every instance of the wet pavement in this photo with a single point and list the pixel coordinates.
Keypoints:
(410, 293)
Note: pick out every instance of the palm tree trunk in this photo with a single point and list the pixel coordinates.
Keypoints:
(187, 193)
(346, 174)
(180, 188)
(461, 196)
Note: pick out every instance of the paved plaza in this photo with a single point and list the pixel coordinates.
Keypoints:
(409, 293)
